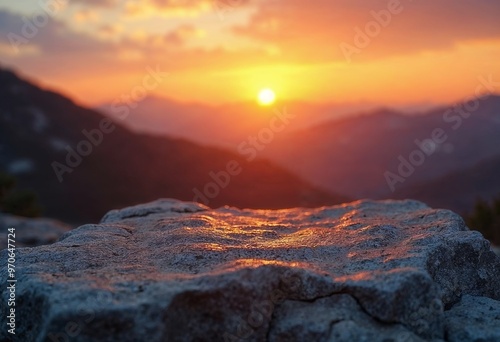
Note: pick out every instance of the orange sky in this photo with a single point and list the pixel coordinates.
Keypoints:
(218, 51)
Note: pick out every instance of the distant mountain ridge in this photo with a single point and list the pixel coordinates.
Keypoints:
(37, 126)
(359, 153)
(331, 154)
(461, 189)
(202, 123)
(356, 154)
(351, 155)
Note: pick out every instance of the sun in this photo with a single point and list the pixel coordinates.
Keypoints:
(266, 97)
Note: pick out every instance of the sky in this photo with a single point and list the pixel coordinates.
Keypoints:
(224, 51)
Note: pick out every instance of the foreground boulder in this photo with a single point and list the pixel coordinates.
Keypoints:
(31, 232)
(177, 271)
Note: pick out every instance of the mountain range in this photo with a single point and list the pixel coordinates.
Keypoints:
(82, 164)
(447, 156)
(203, 123)
(421, 151)
(358, 154)
(461, 189)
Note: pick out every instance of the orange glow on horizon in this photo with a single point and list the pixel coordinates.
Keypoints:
(225, 57)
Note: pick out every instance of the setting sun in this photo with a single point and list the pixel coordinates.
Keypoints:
(266, 97)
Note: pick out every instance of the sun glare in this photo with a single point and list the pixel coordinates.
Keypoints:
(266, 97)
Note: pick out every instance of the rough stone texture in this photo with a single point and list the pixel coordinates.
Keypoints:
(176, 271)
(474, 319)
(335, 318)
(31, 232)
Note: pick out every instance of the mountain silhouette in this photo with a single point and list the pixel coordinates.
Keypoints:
(459, 190)
(353, 155)
(41, 131)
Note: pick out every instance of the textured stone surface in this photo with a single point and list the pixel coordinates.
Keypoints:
(175, 271)
(474, 319)
(31, 232)
(334, 318)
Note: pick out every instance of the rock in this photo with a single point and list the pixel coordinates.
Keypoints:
(474, 319)
(164, 206)
(176, 271)
(335, 318)
(31, 232)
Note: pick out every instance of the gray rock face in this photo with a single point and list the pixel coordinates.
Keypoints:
(336, 318)
(31, 232)
(474, 319)
(176, 271)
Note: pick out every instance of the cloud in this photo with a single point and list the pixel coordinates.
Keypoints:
(96, 3)
(86, 15)
(291, 34)
(56, 37)
(180, 3)
(109, 29)
(315, 30)
(183, 8)
(183, 33)
(8, 22)
(51, 37)
(169, 8)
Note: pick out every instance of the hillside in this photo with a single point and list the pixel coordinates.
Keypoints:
(459, 190)
(202, 123)
(330, 155)
(37, 127)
